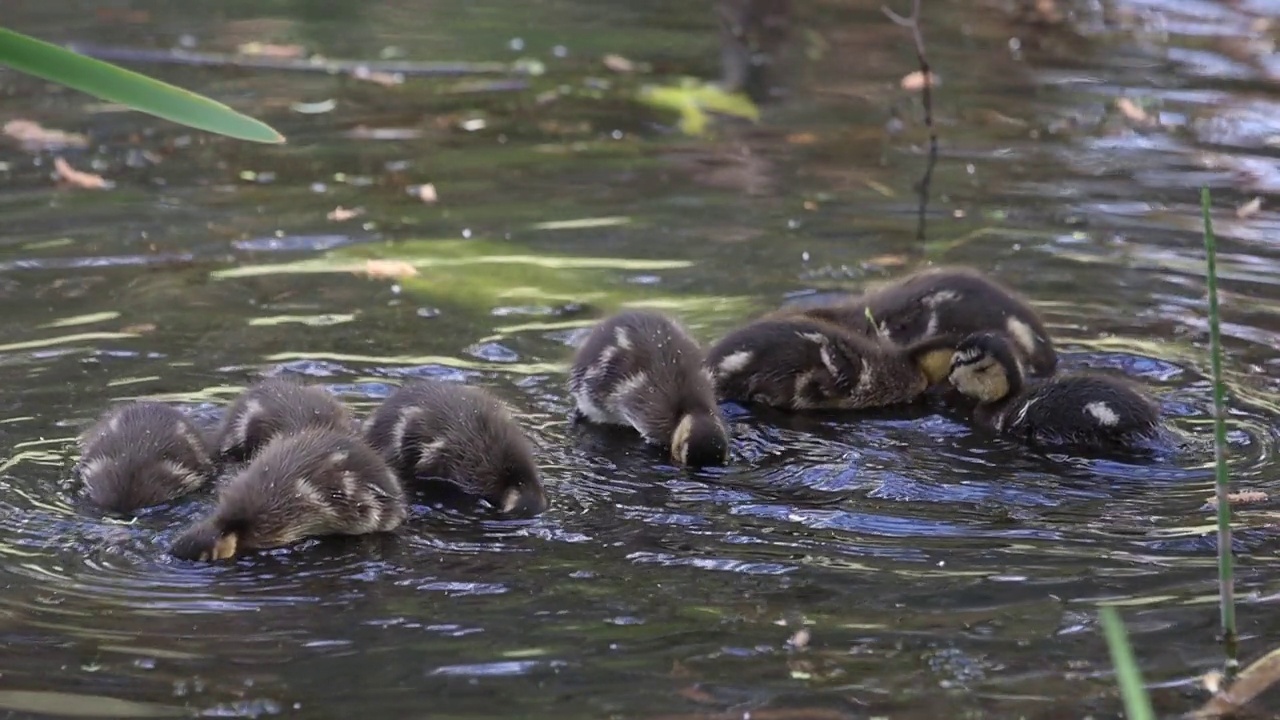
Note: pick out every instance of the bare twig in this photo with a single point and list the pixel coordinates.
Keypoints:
(912, 23)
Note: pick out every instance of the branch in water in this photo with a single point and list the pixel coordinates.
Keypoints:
(912, 23)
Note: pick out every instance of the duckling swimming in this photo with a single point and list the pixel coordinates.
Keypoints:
(954, 301)
(1081, 409)
(273, 407)
(642, 369)
(801, 363)
(316, 482)
(432, 430)
(142, 454)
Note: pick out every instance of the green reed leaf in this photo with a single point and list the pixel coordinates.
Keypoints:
(126, 87)
(1137, 704)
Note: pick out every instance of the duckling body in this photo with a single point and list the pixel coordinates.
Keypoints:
(315, 482)
(954, 301)
(274, 407)
(430, 430)
(142, 454)
(642, 369)
(1085, 410)
(801, 363)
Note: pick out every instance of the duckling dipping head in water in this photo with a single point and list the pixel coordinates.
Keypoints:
(801, 363)
(274, 407)
(443, 431)
(1086, 410)
(316, 482)
(142, 454)
(642, 369)
(943, 301)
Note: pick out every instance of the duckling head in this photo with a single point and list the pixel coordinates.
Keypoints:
(123, 485)
(985, 368)
(205, 542)
(700, 440)
(523, 494)
(933, 356)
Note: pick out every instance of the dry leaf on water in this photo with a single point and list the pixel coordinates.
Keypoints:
(33, 136)
(341, 214)
(1133, 112)
(617, 63)
(389, 269)
(800, 640)
(139, 329)
(79, 179)
(384, 79)
(1252, 682)
(802, 138)
(426, 193)
(1243, 497)
(915, 82)
(271, 50)
(1249, 209)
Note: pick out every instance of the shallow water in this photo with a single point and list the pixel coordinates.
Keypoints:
(941, 573)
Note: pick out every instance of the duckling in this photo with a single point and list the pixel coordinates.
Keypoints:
(318, 481)
(802, 363)
(142, 454)
(273, 407)
(1087, 410)
(642, 369)
(955, 301)
(432, 430)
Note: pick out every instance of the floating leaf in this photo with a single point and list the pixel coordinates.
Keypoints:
(80, 179)
(1252, 682)
(693, 99)
(137, 91)
(915, 82)
(33, 136)
(341, 214)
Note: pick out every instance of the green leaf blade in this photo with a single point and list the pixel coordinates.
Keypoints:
(115, 84)
(1137, 704)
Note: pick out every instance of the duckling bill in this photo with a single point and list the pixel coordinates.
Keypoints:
(274, 407)
(313, 483)
(1085, 410)
(430, 430)
(642, 369)
(943, 301)
(142, 454)
(801, 363)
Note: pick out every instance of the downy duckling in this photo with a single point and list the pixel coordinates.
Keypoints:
(316, 482)
(430, 430)
(642, 369)
(1080, 409)
(955, 301)
(801, 363)
(273, 407)
(142, 454)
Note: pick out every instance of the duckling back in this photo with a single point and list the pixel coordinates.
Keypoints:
(274, 407)
(954, 301)
(801, 363)
(142, 454)
(315, 482)
(1081, 409)
(643, 369)
(432, 430)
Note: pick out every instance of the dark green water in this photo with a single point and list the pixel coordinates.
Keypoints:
(941, 573)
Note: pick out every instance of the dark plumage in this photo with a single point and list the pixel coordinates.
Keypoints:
(642, 369)
(142, 454)
(312, 483)
(1086, 410)
(274, 407)
(801, 363)
(430, 430)
(942, 301)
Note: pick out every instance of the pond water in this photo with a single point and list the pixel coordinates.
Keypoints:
(939, 572)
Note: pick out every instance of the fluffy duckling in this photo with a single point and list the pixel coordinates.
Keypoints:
(316, 482)
(432, 430)
(954, 301)
(802, 363)
(142, 454)
(1080, 409)
(273, 407)
(642, 369)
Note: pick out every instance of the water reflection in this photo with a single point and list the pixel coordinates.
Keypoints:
(940, 571)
